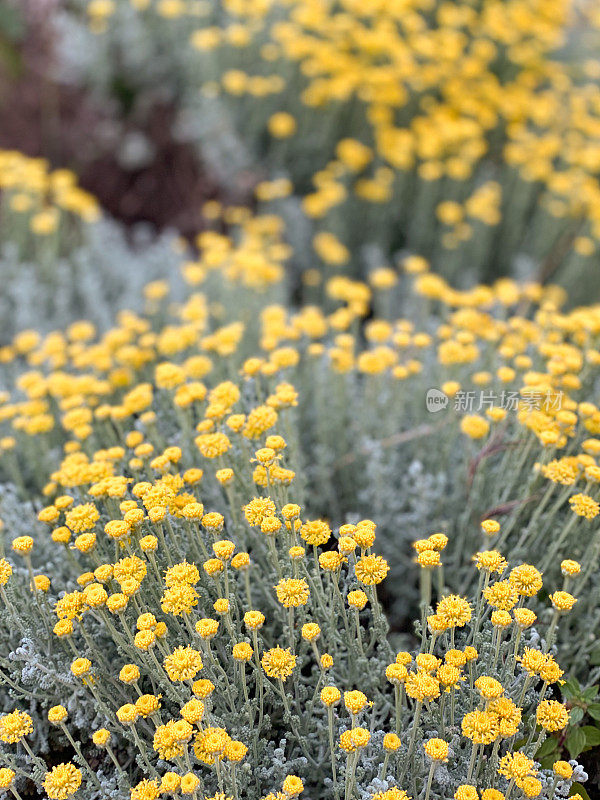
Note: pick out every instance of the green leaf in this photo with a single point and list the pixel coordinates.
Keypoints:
(575, 742)
(571, 688)
(578, 788)
(595, 655)
(594, 710)
(548, 746)
(592, 735)
(589, 694)
(576, 715)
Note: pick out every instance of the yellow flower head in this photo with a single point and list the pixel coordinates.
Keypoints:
(552, 715)
(584, 506)
(355, 701)
(466, 792)
(292, 592)
(183, 664)
(516, 766)
(436, 749)
(14, 726)
(455, 611)
(62, 781)
(278, 663)
(330, 696)
(316, 532)
(371, 570)
(562, 601)
(481, 727)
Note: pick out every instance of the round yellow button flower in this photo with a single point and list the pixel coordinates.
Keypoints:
(371, 570)
(278, 663)
(292, 592)
(436, 749)
(474, 426)
(14, 726)
(552, 715)
(330, 696)
(282, 125)
(62, 781)
(57, 715)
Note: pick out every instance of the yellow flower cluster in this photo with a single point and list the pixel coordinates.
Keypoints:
(235, 613)
(451, 122)
(44, 198)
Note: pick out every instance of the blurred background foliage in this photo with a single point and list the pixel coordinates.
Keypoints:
(466, 132)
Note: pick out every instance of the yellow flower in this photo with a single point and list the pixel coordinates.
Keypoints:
(526, 580)
(7, 776)
(530, 786)
(23, 545)
(62, 781)
(371, 570)
(584, 506)
(516, 766)
(507, 714)
(310, 631)
(170, 783)
(357, 599)
(421, 686)
(356, 738)
(436, 749)
(258, 508)
(192, 711)
(490, 527)
(81, 667)
(242, 651)
(14, 726)
(281, 125)
(355, 701)
(254, 619)
(203, 688)
(315, 533)
(5, 571)
(489, 688)
(428, 559)
(278, 663)
(183, 664)
(82, 518)
(57, 714)
(235, 751)
(179, 599)
(292, 786)
(292, 592)
(562, 601)
(330, 249)
(189, 783)
(326, 661)
(474, 426)
(455, 611)
(501, 595)
(524, 617)
(101, 737)
(481, 727)
(552, 715)
(466, 792)
(490, 561)
(569, 568)
(330, 696)
(563, 770)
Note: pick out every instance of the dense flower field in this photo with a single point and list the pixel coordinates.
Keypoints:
(306, 505)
